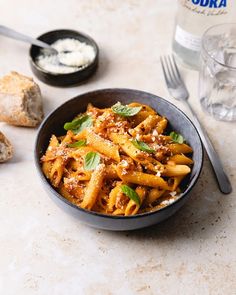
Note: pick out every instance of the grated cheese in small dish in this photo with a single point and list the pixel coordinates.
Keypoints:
(73, 55)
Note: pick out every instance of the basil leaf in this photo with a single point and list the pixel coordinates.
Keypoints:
(142, 146)
(129, 192)
(77, 125)
(176, 137)
(124, 110)
(91, 160)
(77, 144)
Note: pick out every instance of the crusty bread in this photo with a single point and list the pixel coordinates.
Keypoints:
(20, 100)
(6, 150)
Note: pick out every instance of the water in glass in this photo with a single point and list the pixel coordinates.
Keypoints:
(217, 83)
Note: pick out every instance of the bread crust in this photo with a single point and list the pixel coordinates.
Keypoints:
(20, 101)
(9, 149)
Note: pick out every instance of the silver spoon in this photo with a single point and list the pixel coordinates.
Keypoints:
(7, 32)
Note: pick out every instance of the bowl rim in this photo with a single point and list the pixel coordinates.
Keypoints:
(91, 42)
(102, 215)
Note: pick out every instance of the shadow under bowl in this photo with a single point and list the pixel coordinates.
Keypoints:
(178, 121)
(65, 79)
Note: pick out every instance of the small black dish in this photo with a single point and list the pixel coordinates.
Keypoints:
(63, 79)
(178, 121)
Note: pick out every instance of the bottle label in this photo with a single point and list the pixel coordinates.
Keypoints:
(187, 39)
(206, 7)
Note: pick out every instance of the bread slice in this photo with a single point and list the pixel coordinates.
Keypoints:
(6, 150)
(20, 100)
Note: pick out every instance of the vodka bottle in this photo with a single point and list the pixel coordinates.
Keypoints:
(193, 18)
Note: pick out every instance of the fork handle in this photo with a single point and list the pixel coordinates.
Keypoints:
(222, 179)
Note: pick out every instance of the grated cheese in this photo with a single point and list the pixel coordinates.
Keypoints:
(167, 202)
(73, 56)
(173, 193)
(155, 133)
(158, 173)
(138, 137)
(124, 163)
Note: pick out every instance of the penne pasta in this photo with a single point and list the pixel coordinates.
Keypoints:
(139, 156)
(161, 126)
(62, 190)
(153, 195)
(181, 159)
(176, 170)
(111, 172)
(127, 146)
(143, 114)
(118, 160)
(56, 172)
(141, 178)
(146, 125)
(93, 188)
(132, 207)
(113, 196)
(119, 212)
(47, 167)
(176, 182)
(81, 135)
(176, 148)
(103, 146)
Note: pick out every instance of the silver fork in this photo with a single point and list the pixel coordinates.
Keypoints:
(178, 90)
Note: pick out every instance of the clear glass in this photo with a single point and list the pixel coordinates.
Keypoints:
(193, 18)
(217, 77)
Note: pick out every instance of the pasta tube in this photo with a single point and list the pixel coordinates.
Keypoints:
(93, 187)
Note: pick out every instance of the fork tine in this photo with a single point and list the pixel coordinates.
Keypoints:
(171, 77)
(173, 70)
(176, 68)
(164, 71)
(174, 82)
(180, 80)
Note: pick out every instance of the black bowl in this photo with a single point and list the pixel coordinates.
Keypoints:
(178, 121)
(63, 79)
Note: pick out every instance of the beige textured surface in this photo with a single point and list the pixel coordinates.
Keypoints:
(44, 250)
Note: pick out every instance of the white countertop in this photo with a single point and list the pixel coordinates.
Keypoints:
(46, 251)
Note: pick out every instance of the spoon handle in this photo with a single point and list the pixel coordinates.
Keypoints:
(5, 31)
(222, 178)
